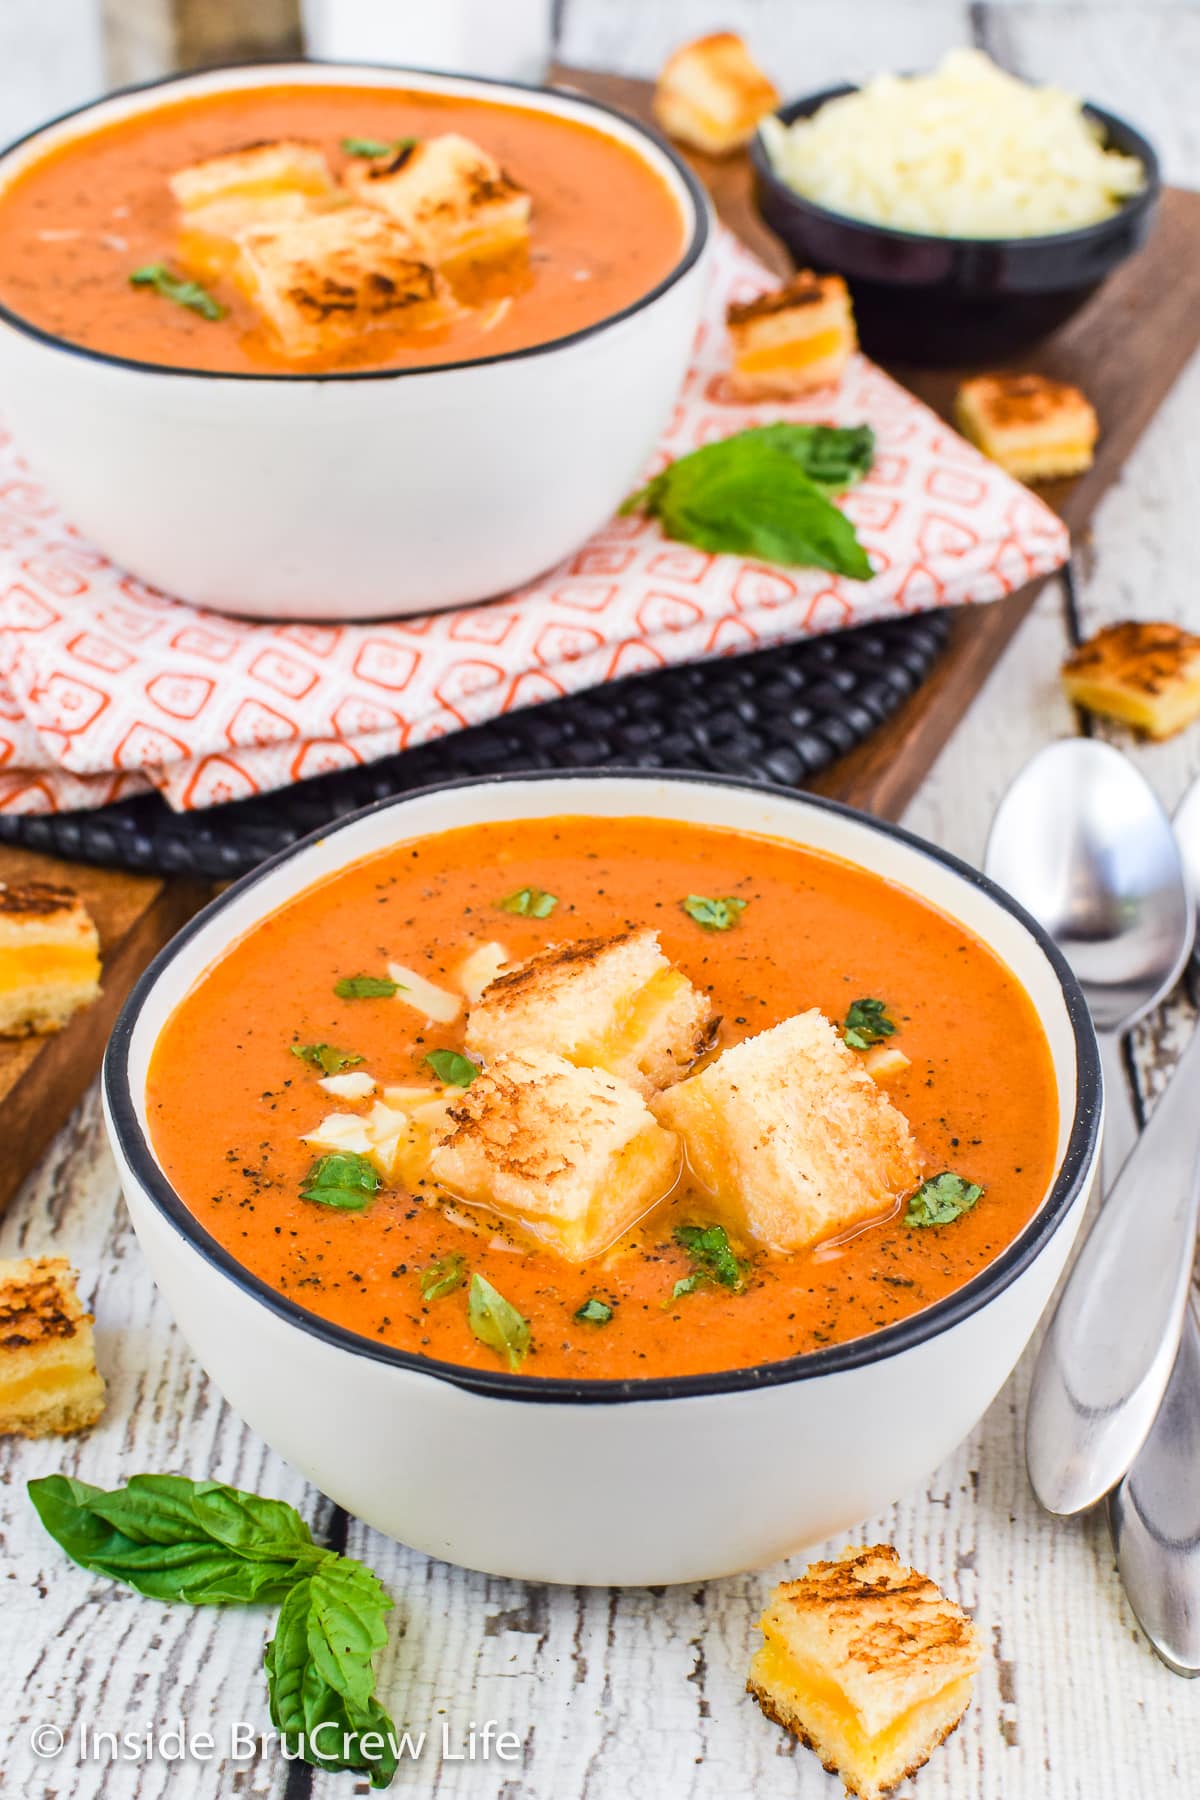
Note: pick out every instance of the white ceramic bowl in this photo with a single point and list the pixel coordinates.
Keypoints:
(354, 495)
(643, 1481)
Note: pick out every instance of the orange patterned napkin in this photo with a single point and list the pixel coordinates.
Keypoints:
(108, 688)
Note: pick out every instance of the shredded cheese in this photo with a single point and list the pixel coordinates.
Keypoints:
(968, 151)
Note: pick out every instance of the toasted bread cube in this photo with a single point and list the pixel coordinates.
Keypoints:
(604, 1003)
(49, 958)
(260, 185)
(867, 1663)
(49, 1383)
(571, 1155)
(1033, 427)
(1146, 675)
(323, 280)
(791, 1136)
(453, 198)
(793, 340)
(712, 94)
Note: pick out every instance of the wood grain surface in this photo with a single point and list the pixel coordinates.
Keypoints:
(638, 1695)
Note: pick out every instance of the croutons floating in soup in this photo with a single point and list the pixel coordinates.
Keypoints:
(607, 1098)
(312, 228)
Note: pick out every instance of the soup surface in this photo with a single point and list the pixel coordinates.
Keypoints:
(76, 224)
(229, 1103)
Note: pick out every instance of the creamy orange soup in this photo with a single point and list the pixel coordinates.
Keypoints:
(229, 1103)
(77, 223)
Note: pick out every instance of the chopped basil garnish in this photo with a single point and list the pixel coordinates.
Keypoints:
(376, 147)
(443, 1276)
(942, 1199)
(867, 1023)
(712, 1258)
(325, 1057)
(174, 287)
(345, 1180)
(713, 915)
(529, 903)
(594, 1312)
(496, 1322)
(453, 1069)
(366, 987)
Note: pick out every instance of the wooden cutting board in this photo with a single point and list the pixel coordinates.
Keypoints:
(1126, 349)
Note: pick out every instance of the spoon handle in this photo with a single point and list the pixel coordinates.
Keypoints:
(1106, 1359)
(1154, 1517)
(1121, 1126)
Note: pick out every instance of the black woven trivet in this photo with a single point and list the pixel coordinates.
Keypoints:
(775, 715)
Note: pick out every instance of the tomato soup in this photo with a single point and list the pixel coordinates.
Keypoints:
(230, 1103)
(76, 224)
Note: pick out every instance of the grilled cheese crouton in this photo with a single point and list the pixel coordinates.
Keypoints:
(258, 185)
(49, 1383)
(798, 338)
(1033, 427)
(606, 1003)
(712, 94)
(791, 1136)
(571, 1155)
(1147, 675)
(321, 281)
(868, 1663)
(49, 958)
(453, 198)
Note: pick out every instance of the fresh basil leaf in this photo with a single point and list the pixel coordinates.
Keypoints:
(315, 1682)
(867, 1023)
(373, 148)
(687, 1284)
(708, 1246)
(453, 1069)
(344, 1180)
(325, 1057)
(529, 903)
(942, 1199)
(443, 1276)
(366, 987)
(496, 1322)
(834, 456)
(173, 1539)
(594, 1312)
(748, 496)
(714, 915)
(173, 287)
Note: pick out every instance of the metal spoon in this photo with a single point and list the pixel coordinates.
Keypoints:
(1081, 840)
(1154, 1516)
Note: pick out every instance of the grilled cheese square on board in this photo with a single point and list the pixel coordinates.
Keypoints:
(1145, 674)
(868, 1663)
(712, 94)
(1033, 427)
(453, 198)
(323, 280)
(607, 1003)
(792, 1137)
(49, 1383)
(798, 338)
(571, 1155)
(49, 958)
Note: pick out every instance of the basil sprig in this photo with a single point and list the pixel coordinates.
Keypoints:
(594, 1311)
(712, 1259)
(343, 1179)
(764, 493)
(496, 1322)
(942, 1199)
(867, 1023)
(173, 287)
(210, 1545)
(326, 1057)
(443, 1276)
(372, 148)
(452, 1068)
(529, 903)
(714, 915)
(366, 987)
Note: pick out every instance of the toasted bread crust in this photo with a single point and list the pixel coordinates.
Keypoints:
(1145, 673)
(37, 899)
(38, 1302)
(806, 288)
(49, 1383)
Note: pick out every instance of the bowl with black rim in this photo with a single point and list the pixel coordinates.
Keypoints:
(634, 1481)
(946, 300)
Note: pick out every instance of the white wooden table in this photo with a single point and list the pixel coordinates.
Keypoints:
(639, 1695)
